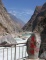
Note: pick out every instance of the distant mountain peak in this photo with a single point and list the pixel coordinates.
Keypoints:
(44, 6)
(38, 8)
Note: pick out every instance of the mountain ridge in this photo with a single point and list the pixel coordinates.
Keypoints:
(33, 23)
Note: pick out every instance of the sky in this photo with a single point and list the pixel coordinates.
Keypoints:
(22, 9)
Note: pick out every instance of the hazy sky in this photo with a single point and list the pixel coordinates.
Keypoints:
(22, 9)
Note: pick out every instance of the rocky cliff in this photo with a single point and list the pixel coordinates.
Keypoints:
(7, 25)
(38, 19)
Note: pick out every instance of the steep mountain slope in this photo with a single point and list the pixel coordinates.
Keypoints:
(34, 24)
(7, 25)
(28, 26)
(17, 20)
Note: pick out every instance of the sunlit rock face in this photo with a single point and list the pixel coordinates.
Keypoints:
(7, 24)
